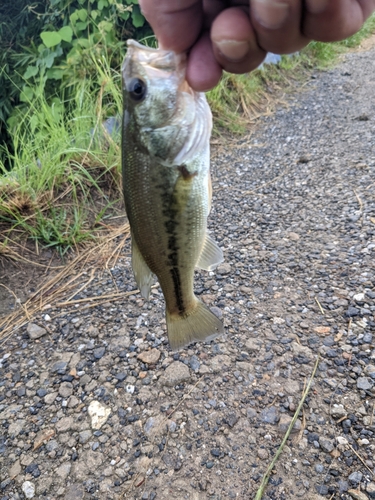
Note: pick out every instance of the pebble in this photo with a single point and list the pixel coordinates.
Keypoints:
(364, 383)
(176, 373)
(269, 415)
(338, 411)
(150, 357)
(99, 352)
(35, 332)
(99, 414)
(370, 489)
(355, 477)
(66, 389)
(28, 489)
(326, 444)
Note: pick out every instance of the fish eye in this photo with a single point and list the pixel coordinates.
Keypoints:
(137, 89)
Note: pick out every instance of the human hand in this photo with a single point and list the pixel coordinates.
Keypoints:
(235, 35)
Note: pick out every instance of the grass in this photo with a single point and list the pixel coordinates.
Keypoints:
(65, 177)
(65, 181)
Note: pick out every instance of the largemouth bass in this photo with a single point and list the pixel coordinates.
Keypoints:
(167, 187)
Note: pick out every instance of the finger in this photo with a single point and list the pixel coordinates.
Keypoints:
(277, 24)
(203, 71)
(176, 24)
(333, 20)
(234, 42)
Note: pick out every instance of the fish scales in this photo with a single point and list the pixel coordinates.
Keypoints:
(165, 158)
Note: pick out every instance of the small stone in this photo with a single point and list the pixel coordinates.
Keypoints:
(66, 390)
(326, 444)
(35, 332)
(63, 470)
(15, 470)
(121, 376)
(231, 419)
(338, 411)
(99, 352)
(50, 398)
(150, 357)
(370, 489)
(28, 489)
(364, 383)
(75, 492)
(98, 413)
(262, 454)
(359, 297)
(285, 421)
(176, 373)
(41, 392)
(322, 489)
(42, 437)
(84, 436)
(355, 478)
(357, 495)
(194, 363)
(64, 424)
(224, 268)
(59, 367)
(322, 330)
(352, 311)
(270, 415)
(293, 236)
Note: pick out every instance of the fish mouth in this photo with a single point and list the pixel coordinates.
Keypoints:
(156, 62)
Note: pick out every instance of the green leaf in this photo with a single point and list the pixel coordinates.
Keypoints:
(30, 71)
(81, 26)
(102, 4)
(137, 18)
(26, 94)
(55, 74)
(33, 123)
(50, 38)
(48, 61)
(66, 34)
(94, 14)
(106, 26)
(82, 14)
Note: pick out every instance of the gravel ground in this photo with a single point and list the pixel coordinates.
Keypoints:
(94, 405)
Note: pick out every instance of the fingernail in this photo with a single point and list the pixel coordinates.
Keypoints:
(316, 6)
(233, 50)
(270, 13)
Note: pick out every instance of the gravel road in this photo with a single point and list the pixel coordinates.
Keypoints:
(94, 405)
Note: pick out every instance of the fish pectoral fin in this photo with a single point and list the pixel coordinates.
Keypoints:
(142, 273)
(197, 326)
(211, 255)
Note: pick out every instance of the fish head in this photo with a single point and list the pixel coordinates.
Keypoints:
(161, 110)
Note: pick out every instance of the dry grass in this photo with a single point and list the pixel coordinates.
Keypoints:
(58, 290)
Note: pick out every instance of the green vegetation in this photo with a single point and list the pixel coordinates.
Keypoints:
(60, 181)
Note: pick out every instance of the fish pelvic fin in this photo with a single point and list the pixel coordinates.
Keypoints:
(142, 273)
(211, 255)
(197, 326)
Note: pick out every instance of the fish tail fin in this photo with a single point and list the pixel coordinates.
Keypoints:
(197, 326)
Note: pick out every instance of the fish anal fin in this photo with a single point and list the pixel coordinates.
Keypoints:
(211, 255)
(197, 326)
(142, 273)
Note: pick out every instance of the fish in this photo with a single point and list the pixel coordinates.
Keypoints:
(166, 133)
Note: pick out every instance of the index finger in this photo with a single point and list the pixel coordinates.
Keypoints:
(176, 24)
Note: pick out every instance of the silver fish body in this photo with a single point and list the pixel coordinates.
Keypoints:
(167, 190)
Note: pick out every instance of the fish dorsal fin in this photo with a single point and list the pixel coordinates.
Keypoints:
(211, 255)
(142, 273)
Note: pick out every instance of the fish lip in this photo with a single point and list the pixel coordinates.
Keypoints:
(159, 59)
